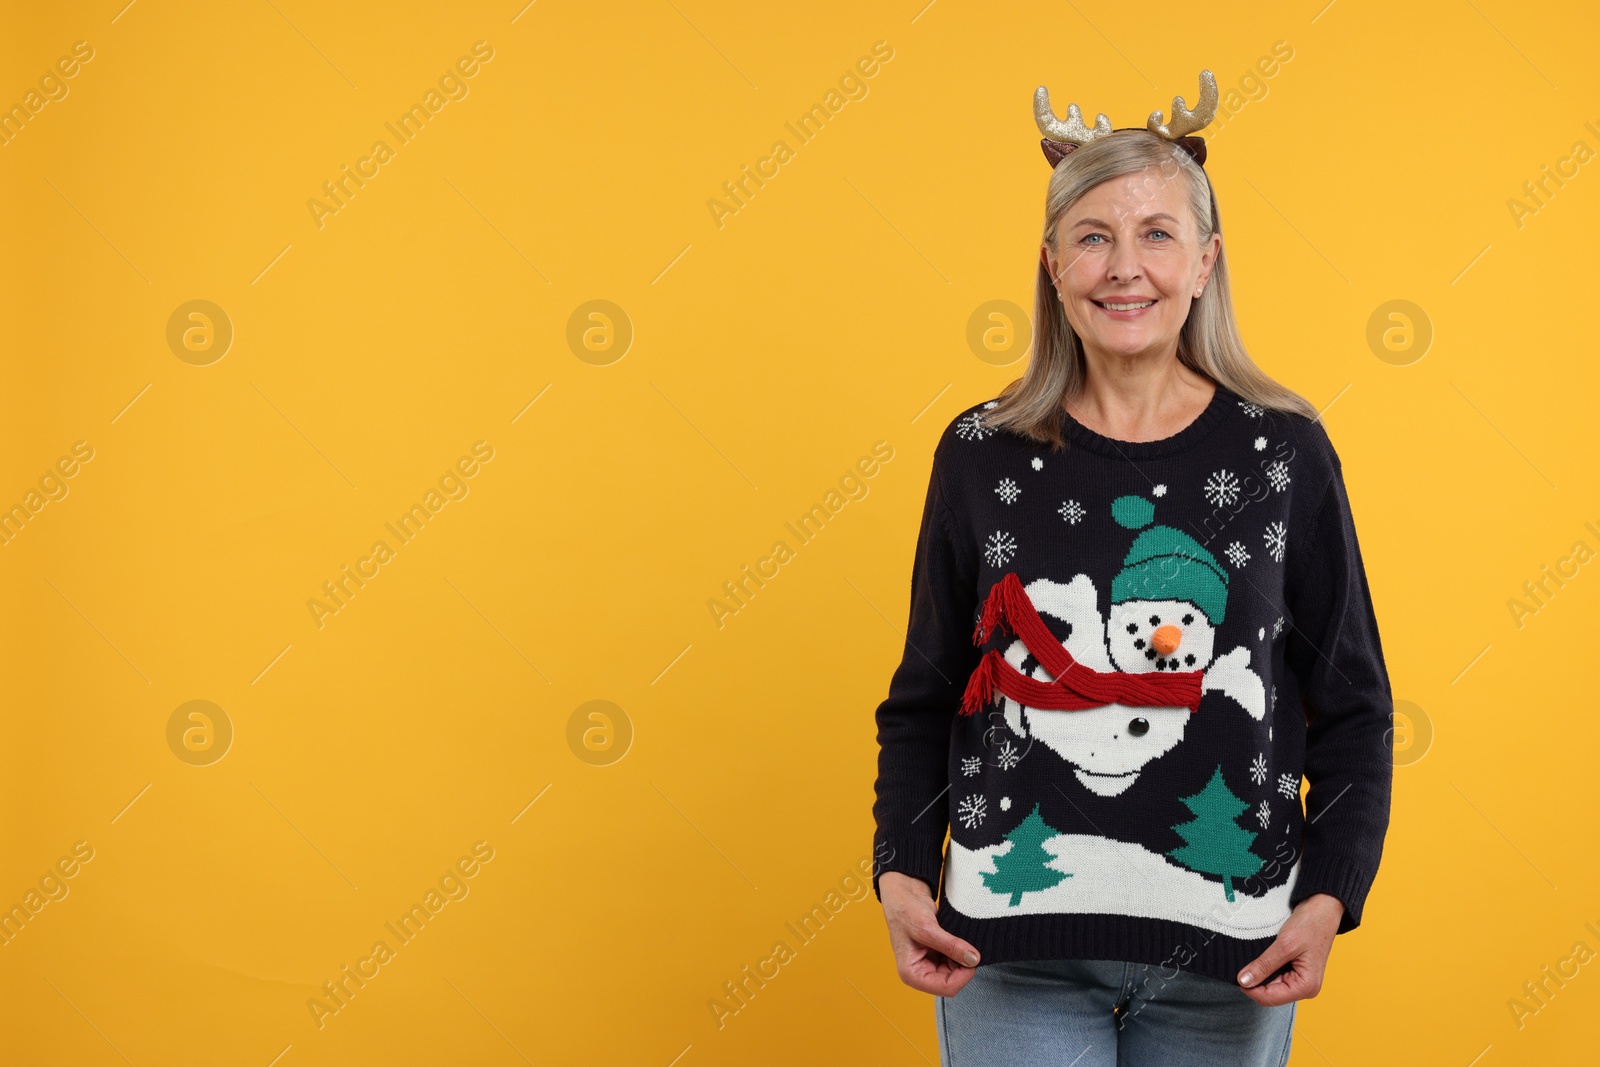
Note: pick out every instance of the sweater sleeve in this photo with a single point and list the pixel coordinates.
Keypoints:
(914, 722)
(1337, 658)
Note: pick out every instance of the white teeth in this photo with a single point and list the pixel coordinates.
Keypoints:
(1127, 307)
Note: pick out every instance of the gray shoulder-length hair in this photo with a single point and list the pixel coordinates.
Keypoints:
(1209, 341)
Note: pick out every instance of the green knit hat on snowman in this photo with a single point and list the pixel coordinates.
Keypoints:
(1166, 564)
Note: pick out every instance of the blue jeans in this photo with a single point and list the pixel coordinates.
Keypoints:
(1103, 1013)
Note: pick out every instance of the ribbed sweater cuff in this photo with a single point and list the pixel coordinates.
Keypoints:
(1344, 877)
(920, 858)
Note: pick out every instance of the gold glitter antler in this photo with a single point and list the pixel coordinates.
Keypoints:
(1072, 131)
(1184, 121)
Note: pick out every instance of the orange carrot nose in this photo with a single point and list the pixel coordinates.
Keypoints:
(1166, 639)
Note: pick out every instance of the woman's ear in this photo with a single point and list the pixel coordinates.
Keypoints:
(1208, 259)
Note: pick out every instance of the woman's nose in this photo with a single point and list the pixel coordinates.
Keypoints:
(1166, 639)
(1124, 263)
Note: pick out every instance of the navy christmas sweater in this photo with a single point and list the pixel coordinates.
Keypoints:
(1142, 691)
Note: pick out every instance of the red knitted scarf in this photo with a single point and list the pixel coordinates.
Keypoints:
(1076, 686)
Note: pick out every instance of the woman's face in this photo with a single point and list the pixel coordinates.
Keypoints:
(1130, 240)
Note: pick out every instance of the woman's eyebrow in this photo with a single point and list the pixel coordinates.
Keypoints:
(1107, 225)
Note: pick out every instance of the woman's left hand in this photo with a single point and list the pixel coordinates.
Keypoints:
(1304, 941)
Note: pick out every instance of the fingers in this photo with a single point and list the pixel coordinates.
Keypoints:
(929, 958)
(1302, 981)
(939, 978)
(919, 926)
(1298, 984)
(928, 932)
(1277, 954)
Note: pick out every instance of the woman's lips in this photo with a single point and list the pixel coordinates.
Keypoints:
(1124, 312)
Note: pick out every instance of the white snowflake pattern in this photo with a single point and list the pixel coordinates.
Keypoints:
(1263, 814)
(1005, 803)
(1277, 627)
(999, 549)
(1255, 411)
(1008, 490)
(971, 765)
(1261, 444)
(991, 404)
(1008, 756)
(1072, 511)
(1038, 464)
(1237, 555)
(972, 810)
(1277, 539)
(1160, 490)
(1278, 475)
(1258, 768)
(971, 427)
(1222, 489)
(1288, 785)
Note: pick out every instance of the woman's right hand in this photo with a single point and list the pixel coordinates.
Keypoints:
(928, 958)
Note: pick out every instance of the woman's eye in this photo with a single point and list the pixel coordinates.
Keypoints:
(1161, 232)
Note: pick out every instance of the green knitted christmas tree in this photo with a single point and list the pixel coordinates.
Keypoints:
(1216, 843)
(1021, 869)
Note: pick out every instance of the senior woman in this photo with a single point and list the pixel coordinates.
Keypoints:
(1166, 778)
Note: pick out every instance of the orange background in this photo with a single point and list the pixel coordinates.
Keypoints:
(628, 481)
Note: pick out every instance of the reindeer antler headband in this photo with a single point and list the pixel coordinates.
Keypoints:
(1062, 138)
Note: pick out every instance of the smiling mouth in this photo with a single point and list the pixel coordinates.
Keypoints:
(1124, 307)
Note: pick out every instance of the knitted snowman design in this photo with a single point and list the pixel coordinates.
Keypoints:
(1166, 605)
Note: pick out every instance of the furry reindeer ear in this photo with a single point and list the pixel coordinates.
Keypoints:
(1055, 151)
(1195, 146)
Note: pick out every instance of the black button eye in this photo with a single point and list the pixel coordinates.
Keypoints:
(1133, 627)
(1138, 727)
(1187, 619)
(1155, 620)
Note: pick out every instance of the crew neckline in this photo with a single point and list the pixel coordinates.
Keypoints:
(1190, 435)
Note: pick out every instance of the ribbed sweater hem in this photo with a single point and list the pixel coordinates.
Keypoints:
(1161, 943)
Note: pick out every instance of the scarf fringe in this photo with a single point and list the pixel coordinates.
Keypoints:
(980, 687)
(998, 608)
